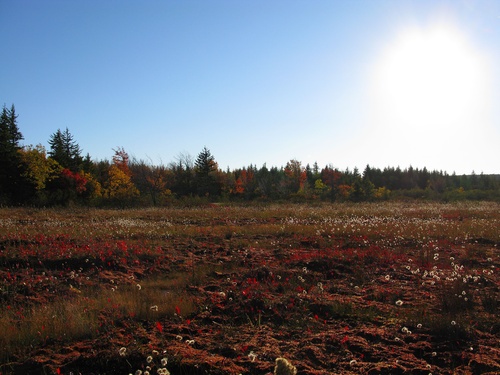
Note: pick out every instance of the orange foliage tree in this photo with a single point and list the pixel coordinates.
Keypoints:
(121, 160)
(295, 176)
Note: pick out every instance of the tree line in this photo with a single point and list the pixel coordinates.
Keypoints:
(62, 175)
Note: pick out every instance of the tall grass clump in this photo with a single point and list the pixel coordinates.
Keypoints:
(149, 300)
(88, 313)
(61, 320)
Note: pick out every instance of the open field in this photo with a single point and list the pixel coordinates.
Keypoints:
(391, 288)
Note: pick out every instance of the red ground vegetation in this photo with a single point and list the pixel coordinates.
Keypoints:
(340, 289)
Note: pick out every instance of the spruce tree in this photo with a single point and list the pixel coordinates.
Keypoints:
(205, 170)
(12, 185)
(65, 150)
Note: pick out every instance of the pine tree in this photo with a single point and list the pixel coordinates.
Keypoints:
(12, 184)
(206, 168)
(183, 175)
(9, 132)
(65, 150)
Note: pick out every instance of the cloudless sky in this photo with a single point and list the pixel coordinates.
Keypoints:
(259, 81)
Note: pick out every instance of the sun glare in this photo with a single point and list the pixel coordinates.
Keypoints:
(430, 84)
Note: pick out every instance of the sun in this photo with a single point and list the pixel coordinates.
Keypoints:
(429, 85)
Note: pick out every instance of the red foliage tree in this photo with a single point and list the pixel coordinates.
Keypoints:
(121, 160)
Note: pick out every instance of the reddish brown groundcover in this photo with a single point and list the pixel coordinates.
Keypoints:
(338, 289)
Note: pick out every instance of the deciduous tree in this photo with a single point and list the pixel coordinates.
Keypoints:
(39, 169)
(152, 180)
(119, 186)
(296, 176)
(121, 160)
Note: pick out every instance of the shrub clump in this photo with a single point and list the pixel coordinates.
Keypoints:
(283, 367)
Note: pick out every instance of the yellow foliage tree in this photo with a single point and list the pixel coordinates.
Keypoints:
(119, 185)
(93, 187)
(39, 169)
(382, 193)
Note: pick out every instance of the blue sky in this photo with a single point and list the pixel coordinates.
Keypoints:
(260, 81)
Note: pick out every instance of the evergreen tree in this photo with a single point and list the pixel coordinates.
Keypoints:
(12, 185)
(311, 178)
(9, 132)
(205, 172)
(264, 182)
(87, 164)
(65, 150)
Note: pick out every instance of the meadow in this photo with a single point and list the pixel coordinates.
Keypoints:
(367, 288)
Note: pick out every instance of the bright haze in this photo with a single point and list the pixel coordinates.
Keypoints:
(341, 83)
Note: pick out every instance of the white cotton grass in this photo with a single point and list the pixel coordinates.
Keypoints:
(406, 330)
(320, 286)
(399, 303)
(122, 351)
(151, 365)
